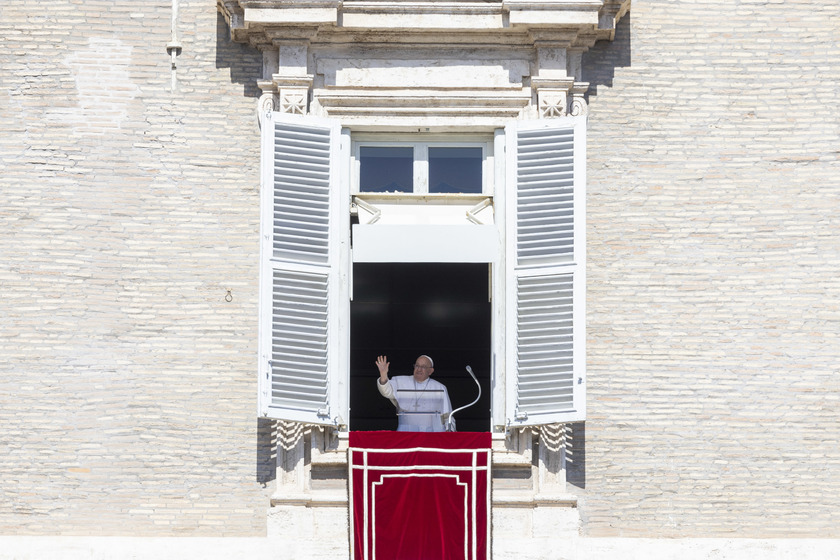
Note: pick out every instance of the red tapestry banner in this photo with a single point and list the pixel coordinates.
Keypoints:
(419, 495)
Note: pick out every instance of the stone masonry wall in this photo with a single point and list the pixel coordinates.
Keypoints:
(714, 257)
(127, 213)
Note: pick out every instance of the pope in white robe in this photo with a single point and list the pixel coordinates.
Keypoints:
(422, 404)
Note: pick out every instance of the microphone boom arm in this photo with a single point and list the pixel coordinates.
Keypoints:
(450, 420)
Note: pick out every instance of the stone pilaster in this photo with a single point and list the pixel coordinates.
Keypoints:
(286, 83)
(551, 465)
(559, 91)
(291, 465)
(551, 80)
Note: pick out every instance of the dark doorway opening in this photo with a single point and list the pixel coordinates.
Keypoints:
(403, 310)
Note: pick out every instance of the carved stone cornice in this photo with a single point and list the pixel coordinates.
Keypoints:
(442, 63)
(581, 21)
(235, 17)
(609, 15)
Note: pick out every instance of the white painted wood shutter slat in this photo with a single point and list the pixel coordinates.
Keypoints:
(301, 193)
(545, 256)
(299, 339)
(299, 268)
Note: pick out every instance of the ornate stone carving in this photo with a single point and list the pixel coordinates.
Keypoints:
(283, 94)
(446, 65)
(559, 98)
(552, 102)
(294, 100)
(266, 103)
(578, 105)
(552, 95)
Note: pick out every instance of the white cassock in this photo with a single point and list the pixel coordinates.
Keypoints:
(419, 405)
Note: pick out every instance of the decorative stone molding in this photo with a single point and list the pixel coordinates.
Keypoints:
(235, 17)
(284, 94)
(267, 102)
(578, 105)
(293, 93)
(286, 84)
(612, 11)
(562, 101)
(553, 102)
(468, 65)
(294, 100)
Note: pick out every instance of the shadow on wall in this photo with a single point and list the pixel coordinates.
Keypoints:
(598, 65)
(600, 62)
(576, 454)
(244, 62)
(266, 450)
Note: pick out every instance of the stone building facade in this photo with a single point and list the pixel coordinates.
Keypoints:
(131, 174)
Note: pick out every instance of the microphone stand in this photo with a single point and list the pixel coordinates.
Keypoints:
(450, 424)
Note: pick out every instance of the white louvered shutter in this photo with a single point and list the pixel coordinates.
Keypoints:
(545, 260)
(299, 268)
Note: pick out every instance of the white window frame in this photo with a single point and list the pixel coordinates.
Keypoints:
(421, 160)
(500, 167)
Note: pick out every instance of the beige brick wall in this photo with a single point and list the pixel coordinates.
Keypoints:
(127, 213)
(127, 384)
(714, 258)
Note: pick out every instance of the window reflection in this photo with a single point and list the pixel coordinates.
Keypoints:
(455, 170)
(386, 169)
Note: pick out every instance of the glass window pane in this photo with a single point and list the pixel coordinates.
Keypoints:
(386, 169)
(455, 170)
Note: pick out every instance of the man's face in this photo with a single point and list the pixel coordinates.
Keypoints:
(422, 369)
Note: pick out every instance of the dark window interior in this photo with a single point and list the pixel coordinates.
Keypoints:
(403, 310)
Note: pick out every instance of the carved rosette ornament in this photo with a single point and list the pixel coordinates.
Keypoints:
(294, 100)
(562, 101)
(552, 102)
(552, 96)
(292, 93)
(284, 94)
